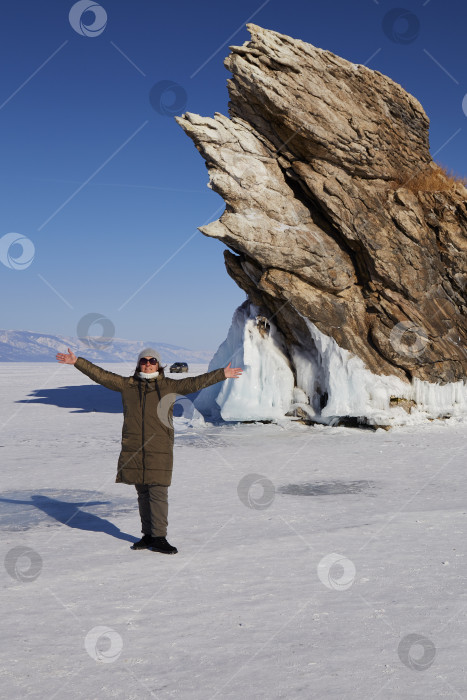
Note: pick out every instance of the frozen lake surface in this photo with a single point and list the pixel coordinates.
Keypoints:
(314, 562)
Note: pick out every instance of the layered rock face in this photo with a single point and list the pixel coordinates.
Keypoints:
(315, 165)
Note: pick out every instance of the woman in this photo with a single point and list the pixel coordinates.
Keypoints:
(146, 457)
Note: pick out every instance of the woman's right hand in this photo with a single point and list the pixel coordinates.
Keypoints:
(67, 359)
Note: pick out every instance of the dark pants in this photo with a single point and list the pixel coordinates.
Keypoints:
(153, 509)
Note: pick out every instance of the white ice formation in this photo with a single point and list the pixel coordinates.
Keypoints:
(328, 383)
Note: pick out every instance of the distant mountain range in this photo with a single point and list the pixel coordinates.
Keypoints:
(28, 346)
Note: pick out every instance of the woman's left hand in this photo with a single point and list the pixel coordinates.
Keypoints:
(232, 372)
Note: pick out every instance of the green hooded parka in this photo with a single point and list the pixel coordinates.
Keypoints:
(147, 434)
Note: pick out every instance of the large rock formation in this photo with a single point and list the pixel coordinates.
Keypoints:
(317, 165)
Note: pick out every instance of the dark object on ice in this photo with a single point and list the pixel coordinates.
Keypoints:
(336, 421)
(325, 488)
(143, 543)
(354, 422)
(179, 367)
(160, 544)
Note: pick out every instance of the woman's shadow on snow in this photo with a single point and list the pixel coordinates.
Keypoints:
(91, 398)
(70, 514)
(84, 399)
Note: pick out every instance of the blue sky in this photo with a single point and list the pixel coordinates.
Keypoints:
(111, 191)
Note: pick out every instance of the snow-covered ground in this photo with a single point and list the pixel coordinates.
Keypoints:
(313, 562)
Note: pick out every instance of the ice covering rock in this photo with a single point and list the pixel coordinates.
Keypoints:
(314, 165)
(324, 383)
(266, 389)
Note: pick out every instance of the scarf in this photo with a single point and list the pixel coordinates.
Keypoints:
(143, 375)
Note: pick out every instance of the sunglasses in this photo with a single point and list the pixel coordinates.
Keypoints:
(151, 361)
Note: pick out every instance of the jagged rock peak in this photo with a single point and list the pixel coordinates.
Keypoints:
(319, 165)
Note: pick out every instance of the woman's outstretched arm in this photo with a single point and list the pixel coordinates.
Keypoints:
(192, 384)
(97, 374)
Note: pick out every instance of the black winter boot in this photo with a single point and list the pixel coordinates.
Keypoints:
(143, 543)
(160, 544)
